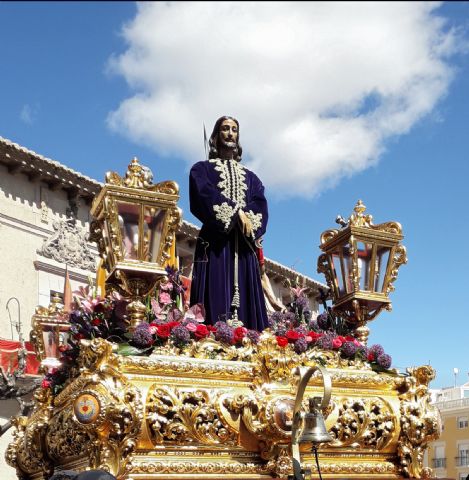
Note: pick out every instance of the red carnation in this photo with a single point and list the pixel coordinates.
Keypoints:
(164, 330)
(171, 325)
(314, 336)
(240, 333)
(46, 384)
(292, 336)
(282, 341)
(95, 322)
(371, 357)
(202, 331)
(211, 328)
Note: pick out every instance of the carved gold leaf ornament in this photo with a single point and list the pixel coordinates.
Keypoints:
(186, 417)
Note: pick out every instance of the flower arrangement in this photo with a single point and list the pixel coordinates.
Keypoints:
(170, 321)
(295, 327)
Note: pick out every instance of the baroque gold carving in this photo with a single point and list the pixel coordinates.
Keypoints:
(231, 419)
(420, 421)
(363, 423)
(65, 438)
(186, 416)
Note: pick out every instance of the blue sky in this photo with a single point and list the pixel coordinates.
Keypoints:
(76, 87)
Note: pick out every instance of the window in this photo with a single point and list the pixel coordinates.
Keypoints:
(463, 422)
(466, 395)
(463, 455)
(439, 460)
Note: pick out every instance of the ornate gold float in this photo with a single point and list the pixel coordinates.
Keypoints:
(209, 411)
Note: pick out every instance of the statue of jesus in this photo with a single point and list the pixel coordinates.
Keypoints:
(229, 201)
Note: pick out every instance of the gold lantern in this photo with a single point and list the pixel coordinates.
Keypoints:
(50, 331)
(360, 263)
(135, 225)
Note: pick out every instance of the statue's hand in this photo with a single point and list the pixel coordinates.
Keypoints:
(246, 225)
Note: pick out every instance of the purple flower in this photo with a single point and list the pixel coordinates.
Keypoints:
(253, 335)
(348, 349)
(376, 350)
(224, 333)
(323, 321)
(313, 325)
(289, 319)
(325, 342)
(181, 334)
(302, 302)
(301, 345)
(275, 318)
(142, 336)
(301, 329)
(384, 361)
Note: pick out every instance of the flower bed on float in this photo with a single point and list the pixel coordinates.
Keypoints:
(170, 324)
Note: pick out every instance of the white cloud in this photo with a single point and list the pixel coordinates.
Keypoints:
(318, 88)
(28, 113)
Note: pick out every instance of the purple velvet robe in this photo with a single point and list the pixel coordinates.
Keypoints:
(211, 201)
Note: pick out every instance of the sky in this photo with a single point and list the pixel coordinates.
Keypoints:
(336, 102)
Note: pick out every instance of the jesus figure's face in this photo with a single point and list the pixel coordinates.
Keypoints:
(228, 135)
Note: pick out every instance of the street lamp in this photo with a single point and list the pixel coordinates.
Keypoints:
(135, 226)
(314, 430)
(360, 263)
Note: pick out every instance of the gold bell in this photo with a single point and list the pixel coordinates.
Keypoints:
(314, 430)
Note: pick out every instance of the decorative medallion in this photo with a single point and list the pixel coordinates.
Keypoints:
(87, 408)
(283, 413)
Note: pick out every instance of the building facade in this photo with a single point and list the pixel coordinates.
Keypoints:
(449, 455)
(44, 222)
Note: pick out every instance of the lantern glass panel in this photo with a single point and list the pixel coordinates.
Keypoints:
(347, 267)
(129, 215)
(364, 256)
(153, 225)
(338, 273)
(50, 343)
(382, 259)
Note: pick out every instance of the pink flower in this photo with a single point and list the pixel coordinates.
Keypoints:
(308, 339)
(91, 304)
(167, 287)
(196, 312)
(153, 330)
(192, 327)
(82, 292)
(297, 291)
(336, 343)
(157, 310)
(46, 384)
(165, 298)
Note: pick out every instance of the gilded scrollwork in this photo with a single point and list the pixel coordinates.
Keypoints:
(420, 421)
(211, 349)
(365, 423)
(65, 438)
(186, 416)
(399, 258)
